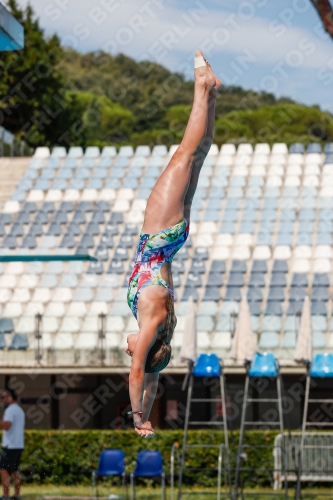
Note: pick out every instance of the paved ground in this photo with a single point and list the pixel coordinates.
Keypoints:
(11, 171)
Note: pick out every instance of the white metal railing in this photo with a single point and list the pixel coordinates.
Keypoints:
(317, 457)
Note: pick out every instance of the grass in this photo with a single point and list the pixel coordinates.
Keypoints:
(37, 491)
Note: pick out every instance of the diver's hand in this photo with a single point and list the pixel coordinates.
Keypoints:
(144, 429)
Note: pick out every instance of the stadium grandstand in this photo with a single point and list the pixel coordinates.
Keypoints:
(262, 226)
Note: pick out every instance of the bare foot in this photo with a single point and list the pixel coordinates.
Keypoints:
(218, 85)
(145, 429)
(203, 76)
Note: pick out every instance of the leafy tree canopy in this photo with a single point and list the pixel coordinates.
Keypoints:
(32, 103)
(54, 95)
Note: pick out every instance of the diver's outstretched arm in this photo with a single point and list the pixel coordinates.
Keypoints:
(149, 394)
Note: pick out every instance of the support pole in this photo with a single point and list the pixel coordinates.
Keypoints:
(38, 337)
(241, 436)
(187, 417)
(101, 337)
(283, 448)
(301, 448)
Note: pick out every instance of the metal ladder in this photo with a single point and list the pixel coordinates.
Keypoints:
(208, 365)
(264, 365)
(322, 366)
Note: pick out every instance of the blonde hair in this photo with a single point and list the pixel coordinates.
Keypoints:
(159, 354)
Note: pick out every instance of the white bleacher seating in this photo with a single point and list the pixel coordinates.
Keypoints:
(126, 151)
(54, 195)
(35, 195)
(326, 192)
(112, 341)
(131, 326)
(222, 340)
(301, 266)
(261, 253)
(260, 159)
(221, 253)
(109, 152)
(243, 159)
(8, 281)
(327, 169)
(50, 324)
(59, 152)
(42, 152)
(70, 324)
(313, 158)
(87, 195)
(86, 341)
(312, 180)
(77, 309)
(71, 195)
(34, 307)
(177, 340)
(293, 170)
(142, 151)
(62, 295)
(56, 309)
(159, 150)
(258, 170)
(21, 295)
(228, 149)
(245, 149)
(279, 149)
(225, 160)
(247, 203)
(11, 207)
(203, 341)
(42, 295)
(75, 152)
(214, 150)
(92, 152)
(262, 149)
(295, 159)
(292, 180)
(322, 266)
(302, 252)
(63, 341)
(13, 310)
(100, 307)
(28, 281)
(312, 169)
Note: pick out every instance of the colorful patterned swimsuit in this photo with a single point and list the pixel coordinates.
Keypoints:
(152, 252)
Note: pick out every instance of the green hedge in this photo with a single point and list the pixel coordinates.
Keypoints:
(69, 457)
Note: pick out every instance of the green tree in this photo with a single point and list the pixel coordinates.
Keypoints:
(102, 121)
(32, 98)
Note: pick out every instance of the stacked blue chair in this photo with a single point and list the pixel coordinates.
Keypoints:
(149, 464)
(111, 464)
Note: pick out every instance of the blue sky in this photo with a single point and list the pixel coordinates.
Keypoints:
(278, 47)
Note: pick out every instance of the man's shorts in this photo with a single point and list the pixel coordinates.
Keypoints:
(10, 459)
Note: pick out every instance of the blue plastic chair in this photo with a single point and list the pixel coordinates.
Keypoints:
(149, 464)
(207, 365)
(111, 464)
(322, 366)
(264, 365)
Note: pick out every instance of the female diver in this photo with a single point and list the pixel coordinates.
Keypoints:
(165, 230)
